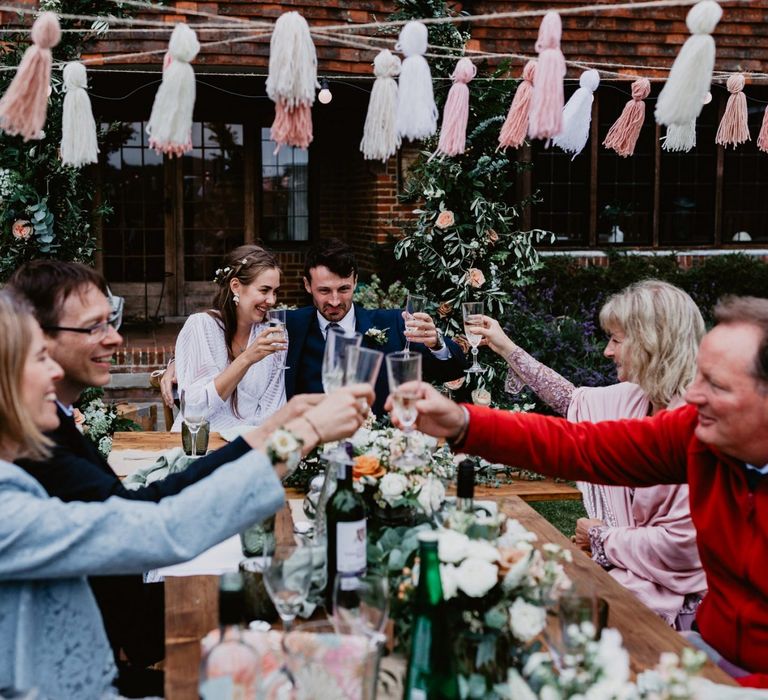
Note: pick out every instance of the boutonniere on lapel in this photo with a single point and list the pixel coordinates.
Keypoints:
(377, 336)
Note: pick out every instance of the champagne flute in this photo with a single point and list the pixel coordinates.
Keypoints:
(336, 343)
(362, 367)
(402, 368)
(472, 311)
(287, 579)
(194, 409)
(276, 320)
(413, 304)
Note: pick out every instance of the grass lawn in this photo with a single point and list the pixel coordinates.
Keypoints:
(562, 514)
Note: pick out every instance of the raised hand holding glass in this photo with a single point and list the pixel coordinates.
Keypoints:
(276, 319)
(413, 304)
(402, 368)
(472, 312)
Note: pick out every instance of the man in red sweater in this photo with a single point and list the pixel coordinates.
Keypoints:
(718, 444)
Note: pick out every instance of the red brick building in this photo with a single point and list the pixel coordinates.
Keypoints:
(175, 217)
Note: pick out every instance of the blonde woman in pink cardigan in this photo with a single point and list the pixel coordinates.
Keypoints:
(644, 537)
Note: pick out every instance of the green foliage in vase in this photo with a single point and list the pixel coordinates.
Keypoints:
(46, 207)
(465, 243)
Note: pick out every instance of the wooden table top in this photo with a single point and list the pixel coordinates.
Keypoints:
(541, 490)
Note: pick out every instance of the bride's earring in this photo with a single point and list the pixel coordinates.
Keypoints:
(236, 298)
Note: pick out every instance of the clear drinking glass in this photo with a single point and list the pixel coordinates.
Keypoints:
(276, 320)
(363, 366)
(194, 409)
(336, 343)
(472, 310)
(414, 304)
(287, 579)
(402, 368)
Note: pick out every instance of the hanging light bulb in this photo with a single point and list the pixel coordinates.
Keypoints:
(325, 95)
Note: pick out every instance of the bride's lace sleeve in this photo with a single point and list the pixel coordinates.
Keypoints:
(552, 388)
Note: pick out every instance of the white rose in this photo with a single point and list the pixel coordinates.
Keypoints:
(431, 495)
(361, 440)
(518, 688)
(519, 569)
(526, 620)
(515, 533)
(476, 577)
(482, 549)
(612, 656)
(452, 546)
(448, 581)
(392, 487)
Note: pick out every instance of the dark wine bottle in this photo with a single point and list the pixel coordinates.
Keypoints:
(431, 665)
(346, 532)
(465, 486)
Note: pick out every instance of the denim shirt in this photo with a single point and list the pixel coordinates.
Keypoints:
(51, 633)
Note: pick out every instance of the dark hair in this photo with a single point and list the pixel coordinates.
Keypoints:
(334, 254)
(245, 263)
(47, 284)
(754, 311)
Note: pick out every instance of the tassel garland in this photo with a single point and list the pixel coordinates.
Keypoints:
(79, 145)
(380, 137)
(453, 132)
(515, 127)
(170, 124)
(682, 98)
(622, 136)
(762, 138)
(734, 127)
(680, 137)
(292, 81)
(416, 109)
(25, 102)
(547, 100)
(577, 115)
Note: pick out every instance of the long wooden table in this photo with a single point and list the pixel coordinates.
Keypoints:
(541, 490)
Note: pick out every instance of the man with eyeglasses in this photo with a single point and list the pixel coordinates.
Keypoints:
(81, 319)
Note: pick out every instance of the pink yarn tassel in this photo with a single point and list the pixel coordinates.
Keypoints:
(292, 127)
(547, 100)
(515, 127)
(734, 127)
(762, 139)
(622, 136)
(23, 107)
(453, 132)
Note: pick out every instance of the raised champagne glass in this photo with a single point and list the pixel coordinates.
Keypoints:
(404, 368)
(276, 320)
(472, 312)
(414, 304)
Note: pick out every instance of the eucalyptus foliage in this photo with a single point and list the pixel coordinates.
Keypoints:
(50, 203)
(482, 255)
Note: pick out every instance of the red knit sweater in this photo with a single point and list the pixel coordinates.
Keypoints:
(731, 520)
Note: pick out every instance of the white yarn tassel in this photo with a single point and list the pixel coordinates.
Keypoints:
(680, 137)
(380, 137)
(79, 145)
(577, 115)
(292, 75)
(682, 98)
(416, 109)
(170, 125)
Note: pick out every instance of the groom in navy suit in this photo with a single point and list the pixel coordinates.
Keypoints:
(330, 277)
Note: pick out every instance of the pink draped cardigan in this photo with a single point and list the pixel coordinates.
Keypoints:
(650, 539)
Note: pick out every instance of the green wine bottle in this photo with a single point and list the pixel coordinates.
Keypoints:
(431, 665)
(346, 532)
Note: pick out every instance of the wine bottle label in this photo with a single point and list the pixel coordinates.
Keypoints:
(350, 547)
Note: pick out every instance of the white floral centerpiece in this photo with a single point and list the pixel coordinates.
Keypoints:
(98, 420)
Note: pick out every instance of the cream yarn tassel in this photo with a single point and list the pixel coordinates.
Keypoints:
(79, 145)
(380, 137)
(416, 109)
(170, 124)
(682, 98)
(680, 137)
(577, 115)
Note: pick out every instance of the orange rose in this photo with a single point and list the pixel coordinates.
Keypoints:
(475, 277)
(463, 343)
(21, 229)
(445, 219)
(77, 414)
(481, 397)
(492, 237)
(367, 465)
(454, 384)
(444, 309)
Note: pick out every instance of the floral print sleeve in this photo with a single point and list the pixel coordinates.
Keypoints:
(597, 535)
(551, 387)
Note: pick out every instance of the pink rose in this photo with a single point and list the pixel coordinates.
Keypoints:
(445, 219)
(21, 229)
(454, 384)
(475, 277)
(492, 237)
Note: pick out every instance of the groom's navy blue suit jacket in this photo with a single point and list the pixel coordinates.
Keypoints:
(306, 346)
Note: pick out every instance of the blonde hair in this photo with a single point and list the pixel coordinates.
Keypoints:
(17, 428)
(662, 327)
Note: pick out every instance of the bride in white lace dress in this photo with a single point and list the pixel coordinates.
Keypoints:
(229, 354)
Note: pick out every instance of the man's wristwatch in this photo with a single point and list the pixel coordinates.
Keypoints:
(440, 341)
